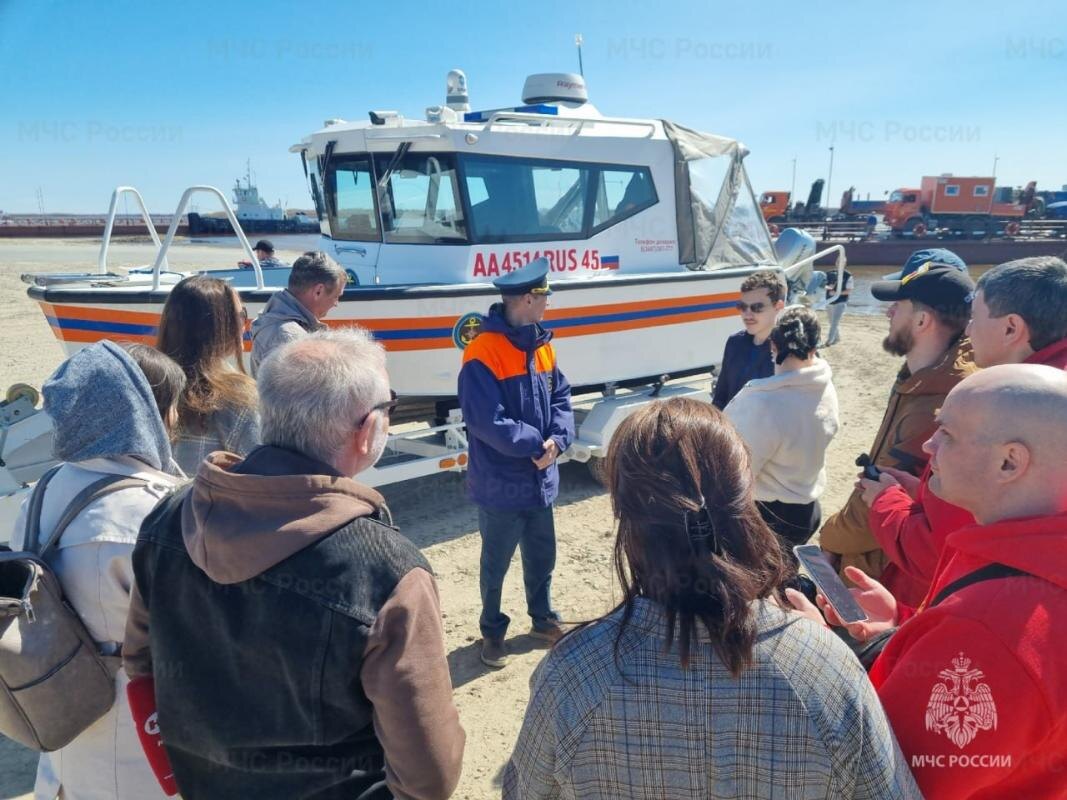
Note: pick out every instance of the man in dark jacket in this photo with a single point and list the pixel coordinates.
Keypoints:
(748, 353)
(517, 408)
(294, 636)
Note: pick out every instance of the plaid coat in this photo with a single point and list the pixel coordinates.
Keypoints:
(801, 722)
(235, 430)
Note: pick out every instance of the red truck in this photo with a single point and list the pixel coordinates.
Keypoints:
(972, 207)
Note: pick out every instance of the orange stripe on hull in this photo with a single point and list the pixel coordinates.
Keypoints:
(101, 314)
(642, 305)
(629, 325)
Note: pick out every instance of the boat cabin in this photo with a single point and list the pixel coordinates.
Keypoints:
(465, 196)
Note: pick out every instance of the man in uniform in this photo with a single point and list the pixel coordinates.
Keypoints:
(517, 408)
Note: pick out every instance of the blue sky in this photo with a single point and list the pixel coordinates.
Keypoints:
(166, 95)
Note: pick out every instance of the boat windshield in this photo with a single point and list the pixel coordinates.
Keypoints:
(350, 200)
(419, 199)
(518, 199)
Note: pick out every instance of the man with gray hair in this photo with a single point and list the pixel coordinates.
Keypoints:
(1019, 314)
(294, 635)
(316, 283)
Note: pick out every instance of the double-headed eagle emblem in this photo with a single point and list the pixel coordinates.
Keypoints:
(960, 706)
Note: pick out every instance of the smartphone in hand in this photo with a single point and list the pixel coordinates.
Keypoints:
(830, 584)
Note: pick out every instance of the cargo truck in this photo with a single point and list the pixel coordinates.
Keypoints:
(971, 207)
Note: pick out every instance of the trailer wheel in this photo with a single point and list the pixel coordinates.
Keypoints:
(19, 391)
(598, 470)
(1012, 229)
(977, 227)
(916, 227)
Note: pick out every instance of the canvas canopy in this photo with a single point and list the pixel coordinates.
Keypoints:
(719, 221)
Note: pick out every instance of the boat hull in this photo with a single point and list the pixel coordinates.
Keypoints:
(606, 330)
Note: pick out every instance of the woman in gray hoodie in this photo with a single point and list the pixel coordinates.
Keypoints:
(108, 405)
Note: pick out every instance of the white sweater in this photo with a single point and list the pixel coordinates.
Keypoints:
(787, 421)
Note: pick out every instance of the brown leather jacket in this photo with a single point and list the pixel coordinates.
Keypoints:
(908, 422)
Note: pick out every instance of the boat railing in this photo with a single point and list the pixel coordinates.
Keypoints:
(795, 272)
(161, 256)
(109, 225)
(554, 121)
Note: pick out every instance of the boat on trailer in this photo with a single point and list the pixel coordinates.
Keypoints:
(649, 227)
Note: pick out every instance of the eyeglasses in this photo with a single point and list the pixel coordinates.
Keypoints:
(755, 308)
(388, 407)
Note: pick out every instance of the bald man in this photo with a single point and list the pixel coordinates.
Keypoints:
(975, 682)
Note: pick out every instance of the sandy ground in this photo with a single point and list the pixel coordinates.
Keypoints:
(435, 515)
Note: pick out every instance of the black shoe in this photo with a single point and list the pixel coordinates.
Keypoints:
(494, 653)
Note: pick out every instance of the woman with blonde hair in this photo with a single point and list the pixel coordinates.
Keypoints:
(202, 328)
(699, 684)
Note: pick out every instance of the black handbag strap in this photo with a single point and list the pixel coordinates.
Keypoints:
(91, 493)
(872, 648)
(987, 573)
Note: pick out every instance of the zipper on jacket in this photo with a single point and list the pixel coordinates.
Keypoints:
(27, 608)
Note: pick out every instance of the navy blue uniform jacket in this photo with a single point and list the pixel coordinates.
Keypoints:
(742, 361)
(514, 398)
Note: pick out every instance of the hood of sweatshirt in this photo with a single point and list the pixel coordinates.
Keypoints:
(954, 365)
(243, 517)
(813, 378)
(284, 307)
(102, 407)
(526, 338)
(1037, 545)
(1055, 355)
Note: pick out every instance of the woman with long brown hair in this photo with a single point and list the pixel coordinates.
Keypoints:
(698, 684)
(202, 328)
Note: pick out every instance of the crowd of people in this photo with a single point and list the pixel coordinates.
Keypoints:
(281, 638)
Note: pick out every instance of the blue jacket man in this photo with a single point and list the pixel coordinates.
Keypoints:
(517, 408)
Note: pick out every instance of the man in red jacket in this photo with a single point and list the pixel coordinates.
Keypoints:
(975, 683)
(1018, 315)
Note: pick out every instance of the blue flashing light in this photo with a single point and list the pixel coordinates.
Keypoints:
(483, 116)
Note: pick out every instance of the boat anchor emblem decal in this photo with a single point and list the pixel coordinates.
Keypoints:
(466, 328)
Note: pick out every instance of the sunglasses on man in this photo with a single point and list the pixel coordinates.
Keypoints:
(387, 407)
(755, 308)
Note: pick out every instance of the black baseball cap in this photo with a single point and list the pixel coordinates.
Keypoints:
(265, 245)
(932, 284)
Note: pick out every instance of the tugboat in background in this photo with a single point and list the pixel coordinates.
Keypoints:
(253, 213)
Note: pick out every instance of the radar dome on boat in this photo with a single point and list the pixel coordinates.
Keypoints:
(456, 97)
(555, 87)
